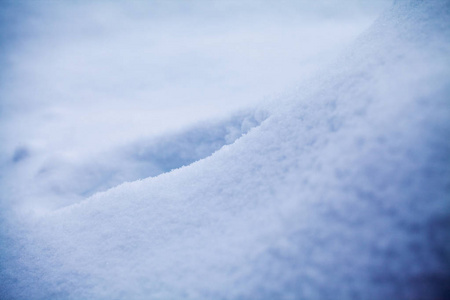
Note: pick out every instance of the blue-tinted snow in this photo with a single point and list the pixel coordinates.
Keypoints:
(340, 192)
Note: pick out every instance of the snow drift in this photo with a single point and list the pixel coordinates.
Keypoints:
(342, 192)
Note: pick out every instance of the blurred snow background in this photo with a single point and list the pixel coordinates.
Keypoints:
(79, 78)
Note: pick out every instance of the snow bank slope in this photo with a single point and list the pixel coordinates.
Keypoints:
(342, 193)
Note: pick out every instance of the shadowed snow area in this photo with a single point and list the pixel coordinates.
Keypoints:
(59, 181)
(338, 190)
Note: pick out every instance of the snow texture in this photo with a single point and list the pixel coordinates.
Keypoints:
(338, 191)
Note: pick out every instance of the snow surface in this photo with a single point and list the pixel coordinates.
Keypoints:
(339, 190)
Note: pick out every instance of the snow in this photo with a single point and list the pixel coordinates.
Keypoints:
(82, 81)
(338, 190)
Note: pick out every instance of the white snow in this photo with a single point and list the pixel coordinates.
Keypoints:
(338, 190)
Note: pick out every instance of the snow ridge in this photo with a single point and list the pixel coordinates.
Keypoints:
(341, 193)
